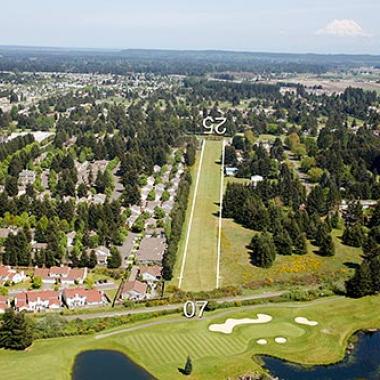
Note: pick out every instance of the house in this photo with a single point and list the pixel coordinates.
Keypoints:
(255, 179)
(59, 272)
(4, 304)
(4, 232)
(150, 182)
(151, 250)
(102, 253)
(134, 290)
(43, 273)
(167, 206)
(21, 302)
(75, 276)
(98, 199)
(151, 274)
(26, 177)
(42, 300)
(39, 246)
(80, 297)
(11, 275)
(64, 275)
(231, 172)
(150, 206)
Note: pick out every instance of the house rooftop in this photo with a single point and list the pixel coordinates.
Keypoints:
(135, 286)
(92, 295)
(151, 249)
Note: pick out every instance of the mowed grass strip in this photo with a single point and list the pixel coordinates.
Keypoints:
(201, 261)
(162, 349)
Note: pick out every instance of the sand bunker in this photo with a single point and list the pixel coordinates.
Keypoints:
(228, 326)
(305, 321)
(262, 342)
(280, 340)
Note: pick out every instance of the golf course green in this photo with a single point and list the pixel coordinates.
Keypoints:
(161, 345)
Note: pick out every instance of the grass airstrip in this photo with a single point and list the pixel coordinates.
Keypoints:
(162, 345)
(199, 269)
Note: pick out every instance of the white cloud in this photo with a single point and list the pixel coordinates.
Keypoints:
(344, 28)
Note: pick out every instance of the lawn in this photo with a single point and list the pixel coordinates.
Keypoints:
(162, 346)
(236, 268)
(200, 265)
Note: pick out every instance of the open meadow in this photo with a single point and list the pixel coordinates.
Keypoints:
(237, 269)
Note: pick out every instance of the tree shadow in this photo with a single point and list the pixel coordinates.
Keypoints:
(182, 371)
(351, 265)
(252, 258)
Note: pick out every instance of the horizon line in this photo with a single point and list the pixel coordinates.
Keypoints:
(71, 48)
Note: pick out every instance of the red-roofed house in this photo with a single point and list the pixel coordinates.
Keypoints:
(59, 272)
(21, 302)
(134, 290)
(42, 300)
(82, 297)
(9, 274)
(4, 304)
(43, 273)
(75, 276)
(65, 275)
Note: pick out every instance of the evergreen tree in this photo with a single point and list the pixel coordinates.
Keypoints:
(375, 218)
(188, 367)
(283, 243)
(92, 260)
(190, 155)
(300, 247)
(15, 331)
(374, 265)
(353, 235)
(360, 284)
(114, 261)
(316, 201)
(263, 250)
(326, 247)
(11, 187)
(321, 234)
(335, 220)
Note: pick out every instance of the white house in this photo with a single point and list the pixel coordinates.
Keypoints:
(151, 274)
(102, 254)
(82, 297)
(231, 172)
(9, 274)
(255, 179)
(43, 300)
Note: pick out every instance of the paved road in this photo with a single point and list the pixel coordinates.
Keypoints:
(154, 309)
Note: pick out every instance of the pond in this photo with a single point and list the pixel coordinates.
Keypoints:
(107, 365)
(362, 363)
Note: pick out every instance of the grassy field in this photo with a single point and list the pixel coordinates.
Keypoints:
(163, 345)
(236, 268)
(200, 265)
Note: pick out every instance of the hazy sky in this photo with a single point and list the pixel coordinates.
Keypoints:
(327, 26)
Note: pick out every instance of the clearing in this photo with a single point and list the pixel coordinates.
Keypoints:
(309, 269)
